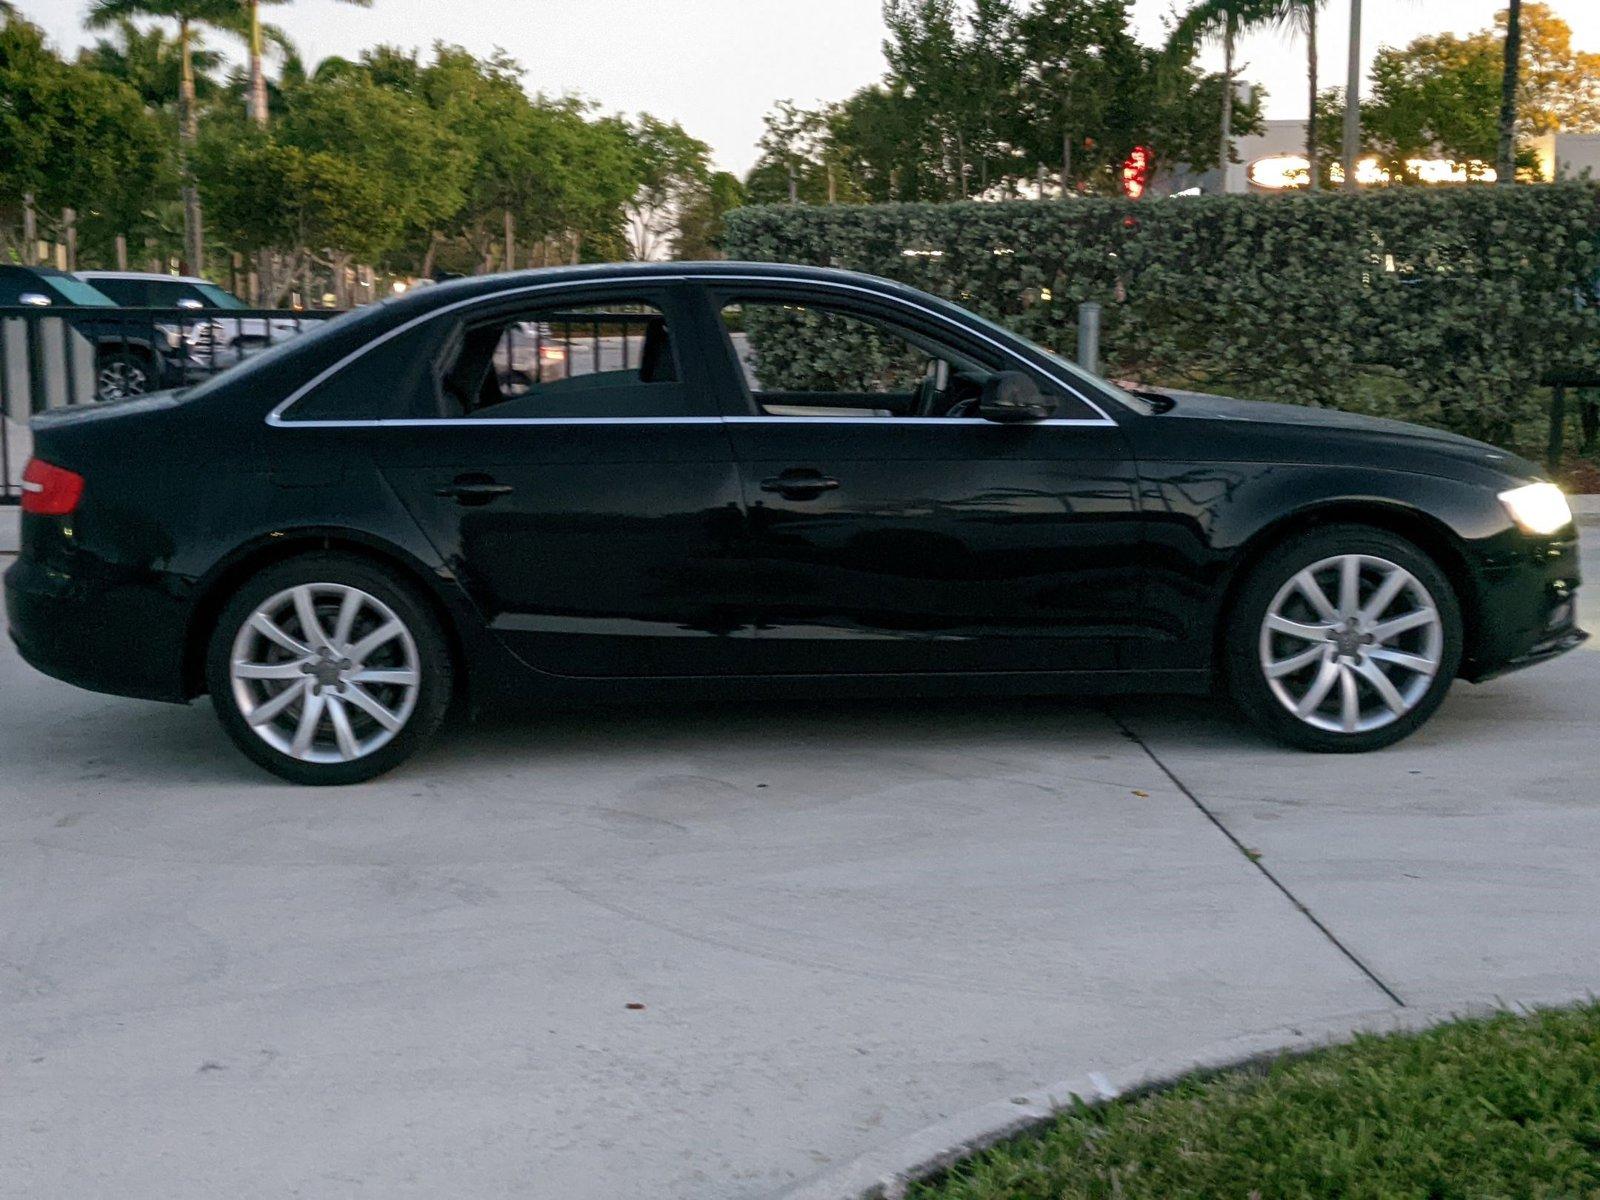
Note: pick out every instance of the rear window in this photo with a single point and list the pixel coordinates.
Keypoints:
(215, 296)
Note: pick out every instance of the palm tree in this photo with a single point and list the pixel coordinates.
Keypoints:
(1506, 160)
(148, 62)
(1224, 20)
(189, 14)
(256, 104)
(1301, 16)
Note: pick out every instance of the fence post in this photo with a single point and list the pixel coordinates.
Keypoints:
(1089, 336)
(1558, 427)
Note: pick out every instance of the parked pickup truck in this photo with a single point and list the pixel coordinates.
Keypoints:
(218, 340)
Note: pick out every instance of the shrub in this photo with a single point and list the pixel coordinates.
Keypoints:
(1445, 305)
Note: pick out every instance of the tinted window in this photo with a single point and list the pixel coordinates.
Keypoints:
(76, 291)
(803, 359)
(216, 297)
(561, 361)
(131, 293)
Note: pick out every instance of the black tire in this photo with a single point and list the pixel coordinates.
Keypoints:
(119, 374)
(1242, 651)
(433, 669)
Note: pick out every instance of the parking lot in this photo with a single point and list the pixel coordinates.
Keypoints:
(715, 951)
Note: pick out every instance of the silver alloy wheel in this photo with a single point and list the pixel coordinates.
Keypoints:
(325, 672)
(1351, 643)
(120, 378)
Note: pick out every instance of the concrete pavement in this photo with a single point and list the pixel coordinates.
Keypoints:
(844, 923)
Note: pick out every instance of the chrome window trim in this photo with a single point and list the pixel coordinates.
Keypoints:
(275, 417)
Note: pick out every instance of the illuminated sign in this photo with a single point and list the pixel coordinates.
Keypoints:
(1283, 172)
(1136, 172)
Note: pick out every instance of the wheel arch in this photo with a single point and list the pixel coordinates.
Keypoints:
(218, 586)
(1429, 534)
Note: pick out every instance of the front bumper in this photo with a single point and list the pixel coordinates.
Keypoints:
(1527, 606)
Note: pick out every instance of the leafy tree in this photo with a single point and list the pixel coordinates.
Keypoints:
(189, 14)
(74, 137)
(1558, 87)
(700, 224)
(1070, 93)
(345, 173)
(672, 168)
(1439, 95)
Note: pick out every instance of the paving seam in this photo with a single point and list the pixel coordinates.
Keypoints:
(1255, 860)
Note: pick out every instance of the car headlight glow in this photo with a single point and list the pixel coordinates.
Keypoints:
(1537, 508)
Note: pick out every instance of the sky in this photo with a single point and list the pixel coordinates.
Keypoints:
(717, 66)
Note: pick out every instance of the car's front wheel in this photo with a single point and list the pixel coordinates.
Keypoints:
(328, 670)
(1344, 639)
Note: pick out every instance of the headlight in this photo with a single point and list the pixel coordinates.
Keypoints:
(1537, 508)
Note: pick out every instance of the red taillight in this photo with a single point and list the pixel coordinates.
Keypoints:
(50, 490)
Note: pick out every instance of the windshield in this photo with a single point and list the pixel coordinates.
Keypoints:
(218, 298)
(76, 291)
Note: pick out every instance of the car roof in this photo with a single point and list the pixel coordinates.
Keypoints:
(161, 275)
(19, 269)
(471, 286)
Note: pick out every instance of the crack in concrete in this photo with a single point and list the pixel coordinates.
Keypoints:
(1255, 861)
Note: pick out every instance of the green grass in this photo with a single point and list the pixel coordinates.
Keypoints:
(1503, 1107)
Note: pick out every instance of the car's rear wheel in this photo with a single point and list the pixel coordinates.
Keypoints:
(328, 670)
(1344, 639)
(119, 375)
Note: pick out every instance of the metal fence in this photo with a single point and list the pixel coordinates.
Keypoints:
(59, 356)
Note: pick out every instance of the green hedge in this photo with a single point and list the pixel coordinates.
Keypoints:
(1448, 305)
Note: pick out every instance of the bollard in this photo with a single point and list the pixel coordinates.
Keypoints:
(1089, 336)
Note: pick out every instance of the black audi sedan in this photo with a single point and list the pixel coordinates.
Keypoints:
(747, 481)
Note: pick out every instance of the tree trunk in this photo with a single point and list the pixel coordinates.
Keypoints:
(1313, 155)
(1066, 162)
(69, 235)
(1352, 100)
(257, 102)
(122, 252)
(30, 231)
(1226, 153)
(511, 243)
(1506, 161)
(188, 135)
(429, 255)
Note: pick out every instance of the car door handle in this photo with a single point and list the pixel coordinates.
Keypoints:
(473, 491)
(798, 484)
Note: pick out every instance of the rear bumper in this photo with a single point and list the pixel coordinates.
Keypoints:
(105, 636)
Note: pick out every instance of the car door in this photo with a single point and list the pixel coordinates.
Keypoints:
(891, 528)
(569, 464)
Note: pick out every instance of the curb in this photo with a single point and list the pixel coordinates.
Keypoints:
(886, 1172)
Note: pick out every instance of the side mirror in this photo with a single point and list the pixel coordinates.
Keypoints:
(36, 299)
(1012, 396)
